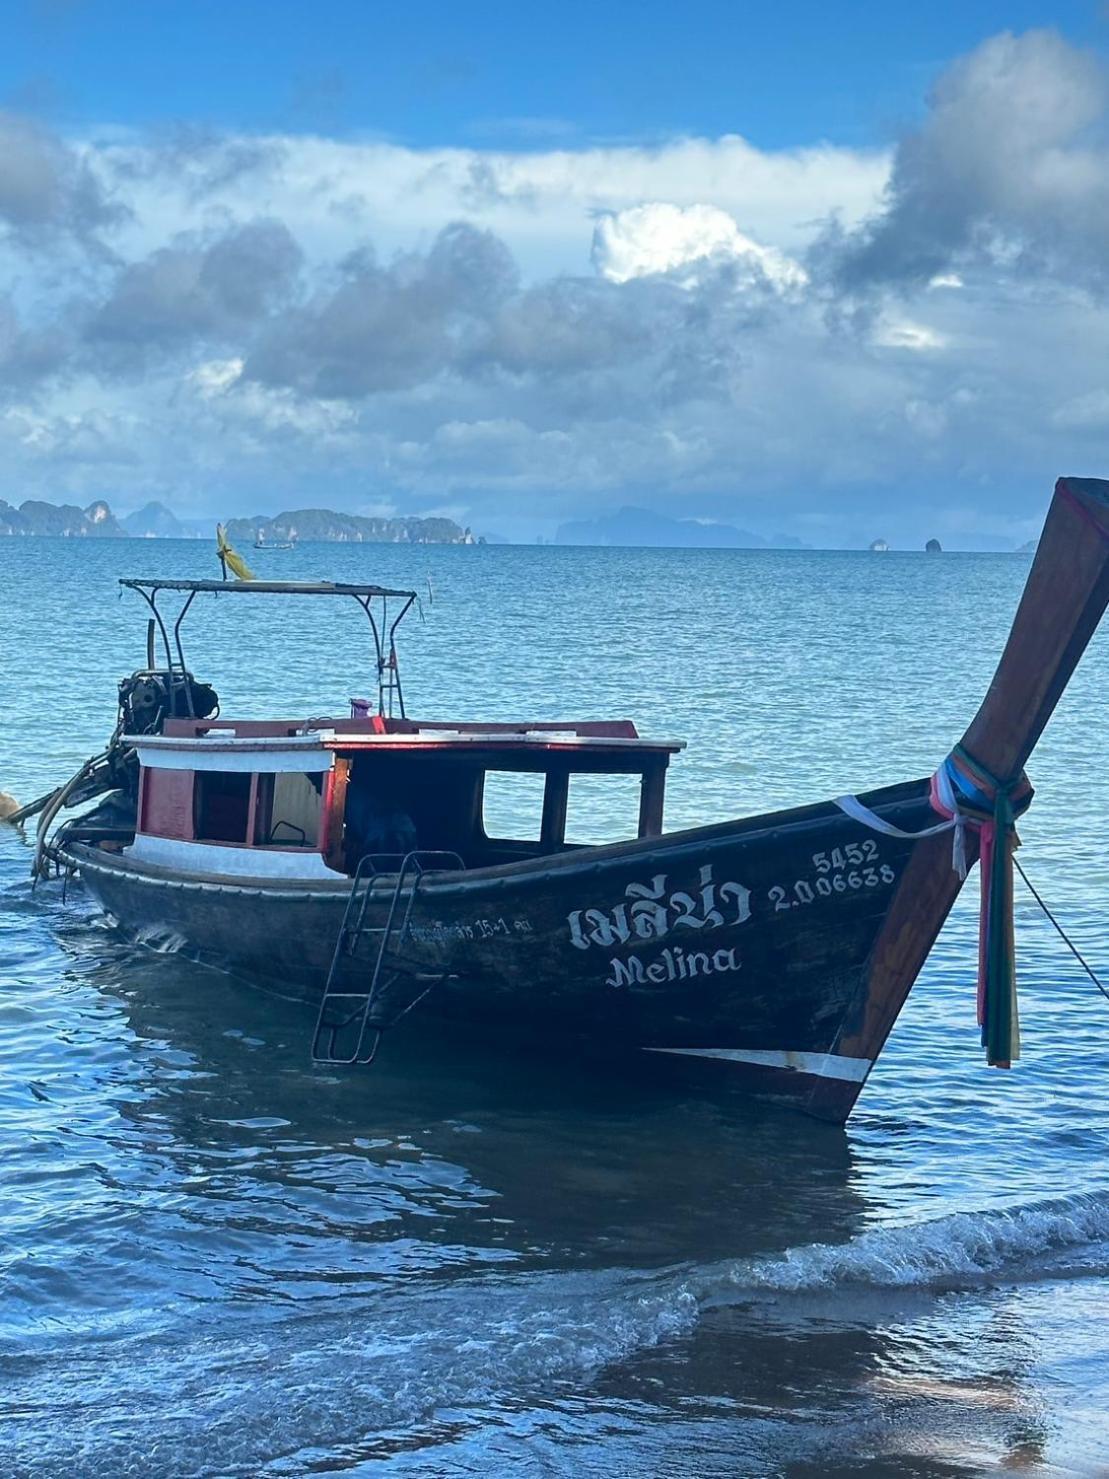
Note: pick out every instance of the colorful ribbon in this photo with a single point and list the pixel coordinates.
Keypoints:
(970, 795)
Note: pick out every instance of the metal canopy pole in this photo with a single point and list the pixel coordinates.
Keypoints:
(383, 629)
(185, 684)
(393, 664)
(386, 662)
(366, 603)
(177, 673)
(151, 599)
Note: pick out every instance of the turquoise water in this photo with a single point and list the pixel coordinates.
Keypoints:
(215, 1260)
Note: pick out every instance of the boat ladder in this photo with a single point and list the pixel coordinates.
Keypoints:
(347, 1028)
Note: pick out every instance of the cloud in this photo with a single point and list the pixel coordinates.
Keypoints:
(1007, 171)
(382, 328)
(1089, 412)
(195, 164)
(542, 203)
(903, 333)
(28, 356)
(457, 322)
(47, 188)
(210, 291)
(649, 239)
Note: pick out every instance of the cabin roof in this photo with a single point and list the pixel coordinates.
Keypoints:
(266, 587)
(458, 740)
(588, 738)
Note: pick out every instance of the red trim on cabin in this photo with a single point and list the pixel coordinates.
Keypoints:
(166, 804)
(333, 812)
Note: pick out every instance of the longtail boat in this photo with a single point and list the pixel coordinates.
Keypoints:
(348, 858)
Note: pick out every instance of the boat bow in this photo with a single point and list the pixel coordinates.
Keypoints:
(981, 787)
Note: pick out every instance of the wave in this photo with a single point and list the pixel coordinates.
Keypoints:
(161, 938)
(406, 1354)
(958, 1250)
(400, 1356)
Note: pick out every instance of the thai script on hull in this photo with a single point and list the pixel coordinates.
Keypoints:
(649, 912)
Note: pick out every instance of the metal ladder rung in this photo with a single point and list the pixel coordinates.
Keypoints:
(414, 867)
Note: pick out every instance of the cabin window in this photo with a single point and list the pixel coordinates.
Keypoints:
(602, 808)
(287, 811)
(221, 807)
(512, 804)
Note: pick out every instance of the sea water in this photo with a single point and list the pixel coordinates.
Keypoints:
(217, 1260)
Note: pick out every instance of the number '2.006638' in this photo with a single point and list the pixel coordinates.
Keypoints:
(825, 885)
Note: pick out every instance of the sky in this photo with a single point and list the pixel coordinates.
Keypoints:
(832, 272)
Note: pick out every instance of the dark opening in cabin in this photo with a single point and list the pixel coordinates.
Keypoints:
(287, 810)
(221, 805)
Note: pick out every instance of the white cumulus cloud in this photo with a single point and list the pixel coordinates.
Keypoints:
(661, 237)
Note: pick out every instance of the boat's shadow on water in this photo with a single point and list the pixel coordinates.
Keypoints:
(622, 1160)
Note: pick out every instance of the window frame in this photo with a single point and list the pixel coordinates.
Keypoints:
(260, 794)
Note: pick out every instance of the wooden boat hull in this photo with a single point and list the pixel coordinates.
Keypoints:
(748, 948)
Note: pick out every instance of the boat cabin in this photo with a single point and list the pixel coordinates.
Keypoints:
(295, 799)
(312, 798)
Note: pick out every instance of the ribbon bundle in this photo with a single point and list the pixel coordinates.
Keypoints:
(966, 792)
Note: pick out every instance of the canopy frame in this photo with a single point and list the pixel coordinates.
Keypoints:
(373, 599)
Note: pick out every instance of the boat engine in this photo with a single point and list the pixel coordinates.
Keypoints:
(151, 696)
(146, 700)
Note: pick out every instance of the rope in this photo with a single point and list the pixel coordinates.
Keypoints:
(1066, 939)
(855, 809)
(965, 793)
(43, 848)
(969, 791)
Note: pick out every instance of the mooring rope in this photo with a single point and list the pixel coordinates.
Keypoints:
(1066, 939)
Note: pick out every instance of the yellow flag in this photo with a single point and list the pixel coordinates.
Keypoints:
(229, 559)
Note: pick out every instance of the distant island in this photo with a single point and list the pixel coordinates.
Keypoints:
(628, 526)
(63, 521)
(155, 521)
(933, 547)
(639, 526)
(324, 524)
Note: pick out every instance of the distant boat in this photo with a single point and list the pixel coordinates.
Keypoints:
(879, 547)
(262, 543)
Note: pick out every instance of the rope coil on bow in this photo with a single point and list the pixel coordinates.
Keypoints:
(970, 795)
(966, 794)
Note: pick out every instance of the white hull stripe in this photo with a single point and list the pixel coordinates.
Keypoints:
(228, 862)
(821, 1065)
